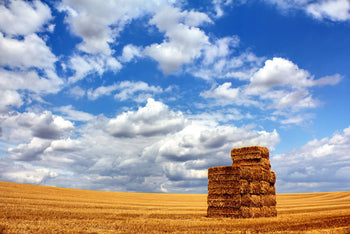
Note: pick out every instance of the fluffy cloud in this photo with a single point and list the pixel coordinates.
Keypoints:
(152, 149)
(184, 40)
(99, 24)
(335, 10)
(279, 85)
(153, 119)
(9, 98)
(17, 127)
(29, 52)
(84, 65)
(138, 91)
(22, 17)
(318, 165)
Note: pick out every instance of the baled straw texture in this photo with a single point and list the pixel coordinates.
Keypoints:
(249, 153)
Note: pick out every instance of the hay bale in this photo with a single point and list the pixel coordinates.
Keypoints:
(263, 162)
(251, 200)
(251, 212)
(244, 186)
(233, 202)
(271, 190)
(268, 200)
(248, 153)
(269, 211)
(255, 173)
(260, 187)
(232, 170)
(272, 178)
(223, 212)
(224, 188)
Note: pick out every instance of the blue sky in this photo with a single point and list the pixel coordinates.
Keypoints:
(145, 96)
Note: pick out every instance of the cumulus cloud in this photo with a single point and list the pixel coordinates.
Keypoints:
(23, 17)
(8, 99)
(17, 127)
(153, 119)
(99, 24)
(334, 10)
(138, 91)
(84, 65)
(130, 52)
(70, 113)
(316, 166)
(152, 149)
(279, 85)
(184, 40)
(29, 52)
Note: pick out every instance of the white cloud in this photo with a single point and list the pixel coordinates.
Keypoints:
(84, 65)
(30, 81)
(30, 151)
(99, 24)
(184, 41)
(8, 99)
(138, 91)
(130, 52)
(29, 52)
(278, 72)
(153, 119)
(18, 127)
(279, 85)
(319, 164)
(35, 176)
(71, 114)
(23, 17)
(335, 10)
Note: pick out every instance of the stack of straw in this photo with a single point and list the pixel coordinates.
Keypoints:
(244, 190)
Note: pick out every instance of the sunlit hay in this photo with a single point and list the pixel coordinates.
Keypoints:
(268, 200)
(249, 153)
(244, 186)
(244, 190)
(251, 200)
(272, 177)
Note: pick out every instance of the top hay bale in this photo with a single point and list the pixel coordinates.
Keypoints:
(249, 153)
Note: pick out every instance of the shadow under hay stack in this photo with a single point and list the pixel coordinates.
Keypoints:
(244, 190)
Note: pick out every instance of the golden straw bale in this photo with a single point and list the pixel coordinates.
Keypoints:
(224, 177)
(265, 187)
(272, 177)
(246, 153)
(272, 190)
(222, 196)
(251, 200)
(268, 200)
(223, 212)
(224, 190)
(235, 202)
(263, 162)
(245, 212)
(232, 170)
(244, 186)
(268, 211)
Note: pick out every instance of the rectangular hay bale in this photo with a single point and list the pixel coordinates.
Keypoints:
(223, 212)
(244, 186)
(246, 153)
(260, 187)
(234, 202)
(268, 211)
(268, 200)
(251, 200)
(255, 173)
(272, 177)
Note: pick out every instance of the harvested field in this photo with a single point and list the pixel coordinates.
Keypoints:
(40, 209)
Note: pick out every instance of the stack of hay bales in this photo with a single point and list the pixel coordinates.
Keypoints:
(244, 190)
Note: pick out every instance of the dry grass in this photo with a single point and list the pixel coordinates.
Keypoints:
(39, 209)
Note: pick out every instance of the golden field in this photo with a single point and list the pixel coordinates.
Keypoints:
(40, 209)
